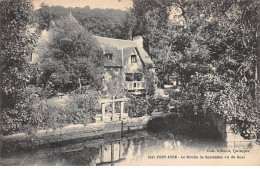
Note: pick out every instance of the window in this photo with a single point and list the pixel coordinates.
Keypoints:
(109, 56)
(129, 77)
(133, 58)
(133, 77)
(137, 76)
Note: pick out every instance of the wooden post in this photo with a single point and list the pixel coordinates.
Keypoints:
(102, 154)
(120, 150)
(113, 108)
(112, 152)
(122, 110)
(103, 112)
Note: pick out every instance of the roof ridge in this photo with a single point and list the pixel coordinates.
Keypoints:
(114, 38)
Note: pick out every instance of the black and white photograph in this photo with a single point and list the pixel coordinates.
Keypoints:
(129, 83)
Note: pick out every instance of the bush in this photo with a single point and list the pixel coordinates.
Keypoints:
(36, 113)
(139, 106)
(82, 106)
(39, 113)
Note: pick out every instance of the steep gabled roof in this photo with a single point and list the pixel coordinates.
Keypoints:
(117, 57)
(118, 43)
(119, 47)
(127, 51)
(40, 47)
(144, 56)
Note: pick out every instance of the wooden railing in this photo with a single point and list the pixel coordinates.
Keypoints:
(113, 101)
(135, 85)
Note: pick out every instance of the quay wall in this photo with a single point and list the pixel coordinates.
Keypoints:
(74, 131)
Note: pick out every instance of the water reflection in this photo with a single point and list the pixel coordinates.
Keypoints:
(138, 148)
(110, 154)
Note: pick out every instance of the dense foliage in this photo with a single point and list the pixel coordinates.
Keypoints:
(17, 40)
(104, 22)
(71, 60)
(16, 44)
(82, 106)
(73, 57)
(139, 106)
(210, 47)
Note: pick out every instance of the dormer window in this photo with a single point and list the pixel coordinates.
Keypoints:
(109, 56)
(133, 58)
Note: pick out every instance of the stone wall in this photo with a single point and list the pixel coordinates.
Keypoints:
(73, 131)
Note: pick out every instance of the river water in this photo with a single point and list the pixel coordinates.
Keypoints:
(162, 143)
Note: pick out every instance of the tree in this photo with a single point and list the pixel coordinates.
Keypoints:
(221, 57)
(103, 22)
(214, 55)
(46, 15)
(16, 46)
(151, 16)
(72, 55)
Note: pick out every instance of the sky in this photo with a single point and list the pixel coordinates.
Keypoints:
(103, 4)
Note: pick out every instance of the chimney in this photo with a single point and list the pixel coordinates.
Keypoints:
(139, 41)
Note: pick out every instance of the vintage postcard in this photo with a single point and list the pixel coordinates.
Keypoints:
(130, 83)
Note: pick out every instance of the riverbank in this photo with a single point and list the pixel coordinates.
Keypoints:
(73, 131)
(156, 123)
(89, 148)
(135, 148)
